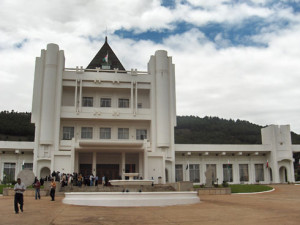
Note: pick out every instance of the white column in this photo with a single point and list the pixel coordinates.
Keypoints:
(131, 97)
(94, 163)
(76, 166)
(80, 95)
(136, 96)
(141, 172)
(123, 163)
(75, 99)
(72, 159)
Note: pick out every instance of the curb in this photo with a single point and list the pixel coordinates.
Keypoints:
(250, 193)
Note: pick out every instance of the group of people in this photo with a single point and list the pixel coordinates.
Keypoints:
(65, 180)
(76, 179)
(20, 187)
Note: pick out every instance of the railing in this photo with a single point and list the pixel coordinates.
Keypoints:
(98, 69)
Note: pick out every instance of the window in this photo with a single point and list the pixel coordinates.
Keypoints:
(140, 105)
(213, 168)
(227, 173)
(28, 166)
(141, 134)
(123, 133)
(68, 133)
(178, 173)
(244, 175)
(259, 172)
(105, 102)
(86, 132)
(105, 133)
(194, 173)
(123, 103)
(9, 172)
(87, 101)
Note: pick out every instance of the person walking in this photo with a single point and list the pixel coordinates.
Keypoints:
(52, 190)
(37, 186)
(19, 188)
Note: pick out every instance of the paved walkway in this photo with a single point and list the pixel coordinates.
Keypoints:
(281, 206)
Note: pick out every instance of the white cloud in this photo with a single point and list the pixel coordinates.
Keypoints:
(257, 84)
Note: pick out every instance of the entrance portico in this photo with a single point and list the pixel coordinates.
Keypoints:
(111, 159)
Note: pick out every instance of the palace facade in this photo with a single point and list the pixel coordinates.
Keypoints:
(106, 120)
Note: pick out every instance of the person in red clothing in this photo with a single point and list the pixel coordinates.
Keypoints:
(37, 186)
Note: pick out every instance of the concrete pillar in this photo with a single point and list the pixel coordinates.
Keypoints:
(123, 164)
(141, 159)
(94, 165)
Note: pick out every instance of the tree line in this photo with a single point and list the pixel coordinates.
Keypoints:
(16, 126)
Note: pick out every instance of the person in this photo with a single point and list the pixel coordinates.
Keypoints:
(103, 180)
(37, 186)
(19, 188)
(52, 190)
(96, 180)
(42, 181)
(91, 179)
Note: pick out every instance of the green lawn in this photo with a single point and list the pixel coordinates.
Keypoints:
(246, 188)
(4, 186)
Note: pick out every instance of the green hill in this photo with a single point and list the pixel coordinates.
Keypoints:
(16, 126)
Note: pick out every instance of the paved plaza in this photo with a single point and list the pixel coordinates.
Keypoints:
(281, 206)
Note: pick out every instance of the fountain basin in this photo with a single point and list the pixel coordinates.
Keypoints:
(130, 199)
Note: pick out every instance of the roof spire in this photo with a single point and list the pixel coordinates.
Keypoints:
(105, 39)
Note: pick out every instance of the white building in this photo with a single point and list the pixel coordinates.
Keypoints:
(106, 120)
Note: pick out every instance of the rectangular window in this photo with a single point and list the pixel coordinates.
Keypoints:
(86, 132)
(123, 103)
(28, 166)
(68, 133)
(178, 173)
(9, 172)
(194, 173)
(105, 102)
(87, 101)
(141, 134)
(123, 133)
(105, 133)
(244, 175)
(259, 172)
(213, 168)
(140, 105)
(227, 173)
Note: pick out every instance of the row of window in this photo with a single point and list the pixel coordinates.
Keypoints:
(106, 102)
(194, 172)
(105, 133)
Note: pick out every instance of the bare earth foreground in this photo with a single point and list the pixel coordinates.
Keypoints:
(281, 206)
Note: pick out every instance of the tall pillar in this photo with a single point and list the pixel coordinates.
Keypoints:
(94, 163)
(141, 172)
(123, 164)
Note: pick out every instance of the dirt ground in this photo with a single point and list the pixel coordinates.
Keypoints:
(281, 206)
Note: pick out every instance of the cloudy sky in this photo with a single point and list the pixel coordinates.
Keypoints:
(234, 59)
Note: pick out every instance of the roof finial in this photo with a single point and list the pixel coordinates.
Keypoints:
(106, 35)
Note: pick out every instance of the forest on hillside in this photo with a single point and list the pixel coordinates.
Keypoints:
(16, 126)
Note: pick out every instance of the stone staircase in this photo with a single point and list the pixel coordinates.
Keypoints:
(131, 188)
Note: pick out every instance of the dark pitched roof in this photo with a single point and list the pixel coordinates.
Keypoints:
(98, 60)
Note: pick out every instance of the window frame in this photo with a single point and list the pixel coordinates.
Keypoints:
(87, 101)
(106, 102)
(123, 133)
(86, 131)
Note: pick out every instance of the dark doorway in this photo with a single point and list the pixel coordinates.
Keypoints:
(109, 170)
(85, 169)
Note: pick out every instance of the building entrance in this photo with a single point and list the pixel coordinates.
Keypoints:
(109, 170)
(85, 169)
